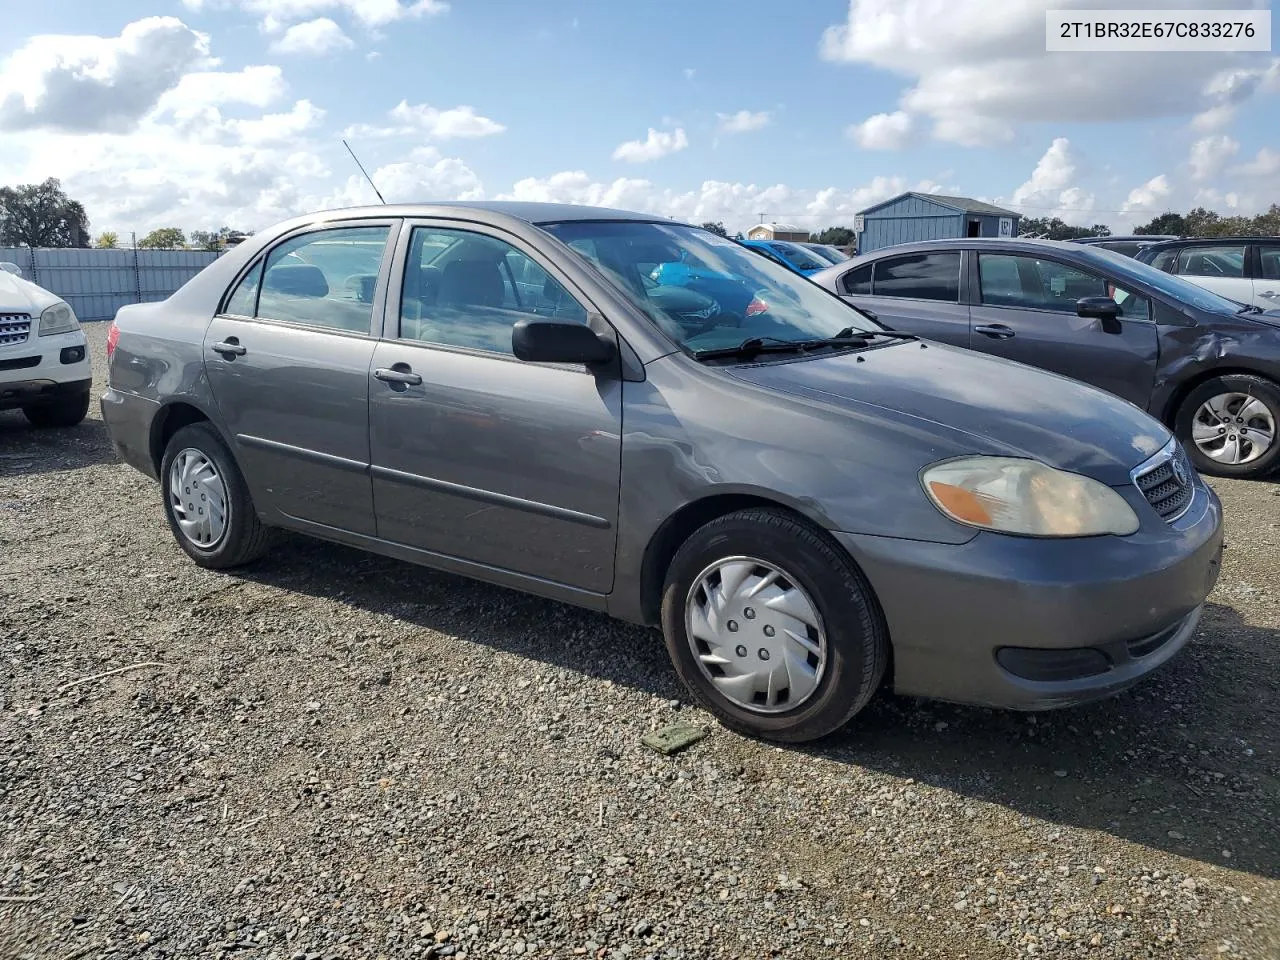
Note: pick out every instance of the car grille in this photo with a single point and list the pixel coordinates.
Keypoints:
(1168, 481)
(15, 328)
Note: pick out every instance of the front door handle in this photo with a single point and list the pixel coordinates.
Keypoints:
(229, 347)
(1273, 294)
(398, 374)
(996, 331)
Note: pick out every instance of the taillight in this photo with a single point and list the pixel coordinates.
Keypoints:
(113, 337)
(756, 306)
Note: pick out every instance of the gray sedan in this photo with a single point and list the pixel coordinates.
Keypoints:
(1207, 366)
(646, 419)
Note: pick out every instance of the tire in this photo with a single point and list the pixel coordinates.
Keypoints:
(1266, 394)
(63, 412)
(242, 537)
(851, 625)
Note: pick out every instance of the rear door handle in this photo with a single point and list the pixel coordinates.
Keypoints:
(229, 347)
(399, 374)
(996, 331)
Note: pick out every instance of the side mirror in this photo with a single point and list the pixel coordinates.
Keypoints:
(10, 267)
(551, 341)
(1104, 308)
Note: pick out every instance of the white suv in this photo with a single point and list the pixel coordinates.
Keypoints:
(44, 360)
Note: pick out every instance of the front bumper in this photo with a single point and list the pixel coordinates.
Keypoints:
(968, 622)
(44, 369)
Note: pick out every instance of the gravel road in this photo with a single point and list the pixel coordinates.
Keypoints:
(343, 756)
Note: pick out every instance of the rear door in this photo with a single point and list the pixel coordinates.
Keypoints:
(1222, 268)
(1266, 283)
(915, 292)
(1025, 309)
(288, 363)
(479, 456)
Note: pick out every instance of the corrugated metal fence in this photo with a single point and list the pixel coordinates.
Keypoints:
(98, 282)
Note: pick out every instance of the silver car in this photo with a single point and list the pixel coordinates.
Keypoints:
(646, 419)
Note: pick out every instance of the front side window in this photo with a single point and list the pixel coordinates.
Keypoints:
(1270, 254)
(1165, 260)
(1211, 261)
(1034, 284)
(920, 276)
(465, 289)
(325, 278)
(704, 291)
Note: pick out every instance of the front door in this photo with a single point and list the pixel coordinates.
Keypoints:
(288, 363)
(477, 455)
(917, 293)
(1025, 310)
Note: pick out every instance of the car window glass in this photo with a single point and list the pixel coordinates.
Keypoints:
(796, 256)
(465, 289)
(1032, 283)
(243, 302)
(1211, 261)
(1164, 260)
(857, 281)
(922, 276)
(325, 278)
(1270, 261)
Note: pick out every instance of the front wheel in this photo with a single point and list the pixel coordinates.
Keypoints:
(207, 502)
(772, 627)
(1228, 425)
(63, 412)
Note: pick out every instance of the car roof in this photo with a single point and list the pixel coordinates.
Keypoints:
(528, 211)
(1127, 238)
(1213, 241)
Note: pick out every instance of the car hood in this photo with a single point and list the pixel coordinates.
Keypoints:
(979, 404)
(22, 296)
(1270, 317)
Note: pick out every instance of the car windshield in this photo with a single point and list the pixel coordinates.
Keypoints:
(796, 255)
(704, 291)
(827, 253)
(1183, 291)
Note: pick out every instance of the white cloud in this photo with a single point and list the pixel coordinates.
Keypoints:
(275, 127)
(422, 119)
(979, 69)
(744, 121)
(256, 86)
(1210, 155)
(277, 14)
(313, 37)
(658, 144)
(86, 84)
(1265, 164)
(690, 73)
(412, 181)
(1051, 190)
(883, 131)
(1148, 200)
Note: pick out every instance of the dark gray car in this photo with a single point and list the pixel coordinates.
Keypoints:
(1207, 366)
(643, 418)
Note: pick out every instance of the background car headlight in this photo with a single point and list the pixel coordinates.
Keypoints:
(1027, 498)
(59, 318)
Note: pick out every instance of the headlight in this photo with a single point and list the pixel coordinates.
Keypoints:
(59, 318)
(1026, 498)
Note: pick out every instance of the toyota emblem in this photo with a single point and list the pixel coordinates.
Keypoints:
(1180, 472)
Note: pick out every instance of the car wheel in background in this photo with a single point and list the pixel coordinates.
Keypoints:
(63, 412)
(207, 502)
(1228, 425)
(772, 627)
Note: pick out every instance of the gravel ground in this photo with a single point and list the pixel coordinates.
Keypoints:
(344, 756)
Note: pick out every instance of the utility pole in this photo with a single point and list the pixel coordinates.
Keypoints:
(761, 216)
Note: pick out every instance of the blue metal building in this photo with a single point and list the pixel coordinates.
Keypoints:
(929, 216)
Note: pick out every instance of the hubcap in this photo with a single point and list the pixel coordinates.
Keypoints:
(1234, 428)
(198, 498)
(755, 634)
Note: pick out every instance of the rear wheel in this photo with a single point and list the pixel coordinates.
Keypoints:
(1228, 425)
(772, 627)
(63, 412)
(207, 502)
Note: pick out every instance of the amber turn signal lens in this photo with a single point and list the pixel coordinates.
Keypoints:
(960, 503)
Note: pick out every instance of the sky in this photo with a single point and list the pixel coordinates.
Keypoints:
(205, 113)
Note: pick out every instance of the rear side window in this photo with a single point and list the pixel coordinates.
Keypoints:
(1165, 260)
(857, 281)
(1270, 261)
(1212, 261)
(324, 279)
(920, 276)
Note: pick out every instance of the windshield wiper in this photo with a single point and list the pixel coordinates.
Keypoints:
(1250, 308)
(848, 337)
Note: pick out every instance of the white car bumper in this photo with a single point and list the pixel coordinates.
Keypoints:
(40, 369)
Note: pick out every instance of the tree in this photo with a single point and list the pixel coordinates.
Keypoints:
(716, 227)
(211, 240)
(835, 236)
(165, 238)
(1168, 223)
(107, 240)
(1052, 228)
(41, 215)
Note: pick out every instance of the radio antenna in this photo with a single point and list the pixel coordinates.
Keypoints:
(362, 169)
